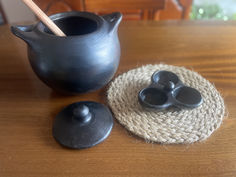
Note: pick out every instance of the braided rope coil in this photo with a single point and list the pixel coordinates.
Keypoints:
(168, 126)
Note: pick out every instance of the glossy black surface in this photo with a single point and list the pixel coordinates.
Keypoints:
(82, 125)
(85, 60)
(167, 90)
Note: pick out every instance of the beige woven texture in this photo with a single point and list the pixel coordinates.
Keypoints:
(169, 126)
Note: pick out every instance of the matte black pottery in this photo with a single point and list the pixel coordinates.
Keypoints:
(83, 61)
(82, 125)
(167, 90)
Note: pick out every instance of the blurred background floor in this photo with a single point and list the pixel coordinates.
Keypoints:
(14, 11)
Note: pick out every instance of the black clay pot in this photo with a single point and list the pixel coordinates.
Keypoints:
(85, 60)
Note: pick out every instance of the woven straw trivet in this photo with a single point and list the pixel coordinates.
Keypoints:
(174, 125)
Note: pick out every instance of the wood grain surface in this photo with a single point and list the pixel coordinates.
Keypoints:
(27, 108)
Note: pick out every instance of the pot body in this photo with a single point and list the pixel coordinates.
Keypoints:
(76, 63)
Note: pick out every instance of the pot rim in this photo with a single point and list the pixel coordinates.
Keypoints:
(40, 27)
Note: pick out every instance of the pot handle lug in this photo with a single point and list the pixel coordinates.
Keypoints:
(23, 32)
(113, 20)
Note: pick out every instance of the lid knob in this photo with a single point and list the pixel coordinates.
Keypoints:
(81, 113)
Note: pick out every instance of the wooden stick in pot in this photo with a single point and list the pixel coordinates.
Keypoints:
(44, 18)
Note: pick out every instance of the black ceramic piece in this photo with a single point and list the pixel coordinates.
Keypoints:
(85, 60)
(167, 90)
(82, 125)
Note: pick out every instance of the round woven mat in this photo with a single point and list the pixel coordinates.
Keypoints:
(172, 125)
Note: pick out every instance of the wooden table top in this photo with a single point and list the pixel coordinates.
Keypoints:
(27, 108)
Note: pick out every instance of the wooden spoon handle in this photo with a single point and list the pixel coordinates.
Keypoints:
(44, 18)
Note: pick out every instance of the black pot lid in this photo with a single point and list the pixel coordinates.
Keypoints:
(82, 125)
